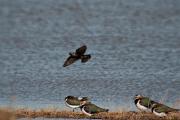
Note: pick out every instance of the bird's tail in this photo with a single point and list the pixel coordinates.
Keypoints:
(85, 58)
(175, 110)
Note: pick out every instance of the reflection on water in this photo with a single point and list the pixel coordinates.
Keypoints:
(134, 46)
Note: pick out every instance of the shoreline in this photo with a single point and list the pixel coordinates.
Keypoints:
(13, 114)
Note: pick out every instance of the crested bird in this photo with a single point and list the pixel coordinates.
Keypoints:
(162, 110)
(143, 103)
(74, 102)
(90, 109)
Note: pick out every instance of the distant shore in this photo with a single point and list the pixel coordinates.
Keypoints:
(10, 114)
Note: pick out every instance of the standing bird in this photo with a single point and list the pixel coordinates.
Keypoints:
(162, 110)
(78, 54)
(90, 109)
(143, 103)
(74, 102)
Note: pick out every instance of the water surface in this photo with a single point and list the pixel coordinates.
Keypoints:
(135, 47)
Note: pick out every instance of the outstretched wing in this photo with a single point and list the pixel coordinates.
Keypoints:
(70, 60)
(85, 58)
(80, 51)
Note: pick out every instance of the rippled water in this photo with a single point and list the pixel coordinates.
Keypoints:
(135, 47)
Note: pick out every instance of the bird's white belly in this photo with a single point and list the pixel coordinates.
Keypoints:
(72, 106)
(86, 112)
(159, 114)
(141, 107)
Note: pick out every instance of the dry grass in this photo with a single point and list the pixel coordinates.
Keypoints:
(7, 114)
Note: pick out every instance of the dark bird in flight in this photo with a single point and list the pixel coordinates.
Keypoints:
(78, 54)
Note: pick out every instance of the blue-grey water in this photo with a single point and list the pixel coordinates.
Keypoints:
(135, 48)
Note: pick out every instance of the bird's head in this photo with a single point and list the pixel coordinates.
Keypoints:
(137, 97)
(69, 97)
(84, 101)
(154, 105)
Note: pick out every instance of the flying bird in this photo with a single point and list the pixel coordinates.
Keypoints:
(78, 54)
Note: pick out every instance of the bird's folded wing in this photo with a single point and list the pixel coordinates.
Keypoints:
(164, 108)
(73, 102)
(95, 109)
(146, 102)
(90, 109)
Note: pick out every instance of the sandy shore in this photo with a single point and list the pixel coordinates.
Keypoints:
(9, 114)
